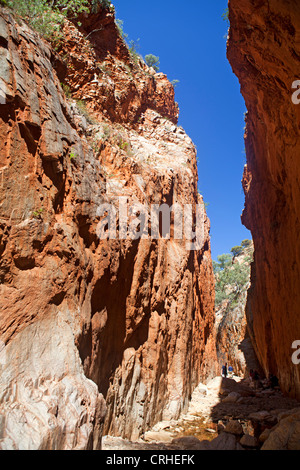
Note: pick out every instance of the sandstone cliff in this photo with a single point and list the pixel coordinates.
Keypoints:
(84, 318)
(263, 49)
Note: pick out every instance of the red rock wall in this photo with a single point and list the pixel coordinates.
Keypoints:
(82, 318)
(264, 52)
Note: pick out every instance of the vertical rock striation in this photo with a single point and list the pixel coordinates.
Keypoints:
(84, 318)
(264, 51)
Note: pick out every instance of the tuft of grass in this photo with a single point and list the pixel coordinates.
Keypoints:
(175, 83)
(37, 214)
(72, 156)
(225, 16)
(66, 90)
(47, 16)
(81, 106)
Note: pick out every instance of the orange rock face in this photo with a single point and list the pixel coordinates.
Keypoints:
(112, 83)
(264, 52)
(84, 318)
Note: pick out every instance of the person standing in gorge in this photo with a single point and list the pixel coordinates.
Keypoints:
(256, 380)
(224, 371)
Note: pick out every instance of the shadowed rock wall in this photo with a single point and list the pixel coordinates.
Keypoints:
(264, 51)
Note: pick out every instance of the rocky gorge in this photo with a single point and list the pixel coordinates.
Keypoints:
(115, 342)
(99, 335)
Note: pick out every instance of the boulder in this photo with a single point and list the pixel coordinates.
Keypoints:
(225, 441)
(232, 398)
(264, 435)
(214, 386)
(190, 443)
(249, 441)
(234, 427)
(286, 435)
(260, 416)
(157, 436)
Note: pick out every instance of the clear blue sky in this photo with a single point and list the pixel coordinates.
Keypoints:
(189, 39)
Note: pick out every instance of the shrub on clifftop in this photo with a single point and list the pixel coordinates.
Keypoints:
(152, 61)
(47, 16)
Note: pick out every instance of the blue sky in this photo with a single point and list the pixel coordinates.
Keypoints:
(189, 39)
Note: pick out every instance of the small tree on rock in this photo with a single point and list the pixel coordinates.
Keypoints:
(246, 243)
(237, 250)
(152, 61)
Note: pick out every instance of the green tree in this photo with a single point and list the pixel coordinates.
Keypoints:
(223, 262)
(246, 243)
(231, 277)
(236, 250)
(152, 61)
(231, 280)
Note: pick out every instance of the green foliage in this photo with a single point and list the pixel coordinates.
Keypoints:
(175, 83)
(225, 15)
(224, 261)
(67, 90)
(231, 277)
(105, 4)
(152, 61)
(236, 250)
(47, 16)
(120, 24)
(133, 47)
(246, 243)
(206, 204)
(70, 7)
(82, 108)
(38, 213)
(39, 15)
(231, 281)
(123, 145)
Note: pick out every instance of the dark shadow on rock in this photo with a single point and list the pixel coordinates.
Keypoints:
(255, 407)
(246, 347)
